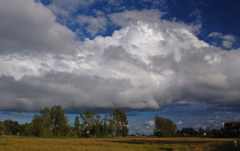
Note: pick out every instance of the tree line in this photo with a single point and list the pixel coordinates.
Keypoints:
(166, 128)
(54, 122)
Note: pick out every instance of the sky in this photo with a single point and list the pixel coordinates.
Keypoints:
(177, 59)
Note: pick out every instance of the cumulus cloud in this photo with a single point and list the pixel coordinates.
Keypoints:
(150, 123)
(29, 27)
(148, 63)
(227, 40)
(94, 25)
(179, 123)
(152, 17)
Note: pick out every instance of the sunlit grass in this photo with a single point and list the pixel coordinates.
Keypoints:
(12, 143)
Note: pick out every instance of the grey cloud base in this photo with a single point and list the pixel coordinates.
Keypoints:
(148, 64)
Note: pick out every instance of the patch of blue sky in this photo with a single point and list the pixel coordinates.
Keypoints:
(212, 16)
(21, 117)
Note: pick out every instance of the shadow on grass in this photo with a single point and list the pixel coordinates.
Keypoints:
(226, 146)
(158, 142)
(197, 145)
(170, 149)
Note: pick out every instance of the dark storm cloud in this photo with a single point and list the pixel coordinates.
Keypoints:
(69, 90)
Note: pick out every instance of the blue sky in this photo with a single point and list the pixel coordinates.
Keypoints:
(174, 58)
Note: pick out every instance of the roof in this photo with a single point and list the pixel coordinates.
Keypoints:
(231, 125)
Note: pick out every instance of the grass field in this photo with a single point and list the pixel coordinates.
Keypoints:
(13, 143)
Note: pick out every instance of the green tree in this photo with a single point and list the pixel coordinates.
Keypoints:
(164, 127)
(91, 123)
(110, 122)
(37, 124)
(59, 119)
(2, 128)
(179, 133)
(201, 130)
(121, 122)
(77, 126)
(125, 131)
(209, 131)
(12, 127)
(104, 129)
(28, 129)
(47, 121)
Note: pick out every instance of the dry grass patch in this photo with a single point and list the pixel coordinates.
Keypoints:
(12, 143)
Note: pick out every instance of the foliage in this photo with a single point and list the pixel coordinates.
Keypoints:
(178, 132)
(121, 122)
(12, 127)
(77, 126)
(54, 122)
(91, 124)
(2, 128)
(201, 129)
(164, 127)
(59, 120)
(37, 123)
(46, 121)
(225, 133)
(27, 129)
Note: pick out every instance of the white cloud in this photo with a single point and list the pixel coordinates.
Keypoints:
(211, 121)
(215, 34)
(152, 17)
(179, 123)
(227, 40)
(150, 123)
(94, 25)
(127, 17)
(147, 64)
(29, 27)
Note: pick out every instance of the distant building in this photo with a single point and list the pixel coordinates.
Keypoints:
(188, 132)
(232, 126)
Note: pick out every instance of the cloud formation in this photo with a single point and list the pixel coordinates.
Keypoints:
(148, 63)
(227, 40)
(29, 27)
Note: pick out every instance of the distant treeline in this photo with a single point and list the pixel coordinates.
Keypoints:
(54, 122)
(166, 128)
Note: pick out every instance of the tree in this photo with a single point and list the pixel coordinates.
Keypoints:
(104, 129)
(59, 118)
(28, 129)
(125, 131)
(121, 122)
(12, 127)
(209, 131)
(77, 126)
(178, 133)
(91, 123)
(47, 121)
(164, 127)
(2, 128)
(37, 124)
(201, 130)
(110, 122)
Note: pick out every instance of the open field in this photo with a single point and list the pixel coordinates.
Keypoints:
(12, 143)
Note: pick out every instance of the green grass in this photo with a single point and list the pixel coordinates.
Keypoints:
(12, 143)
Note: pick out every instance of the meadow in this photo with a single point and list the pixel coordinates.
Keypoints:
(20, 143)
